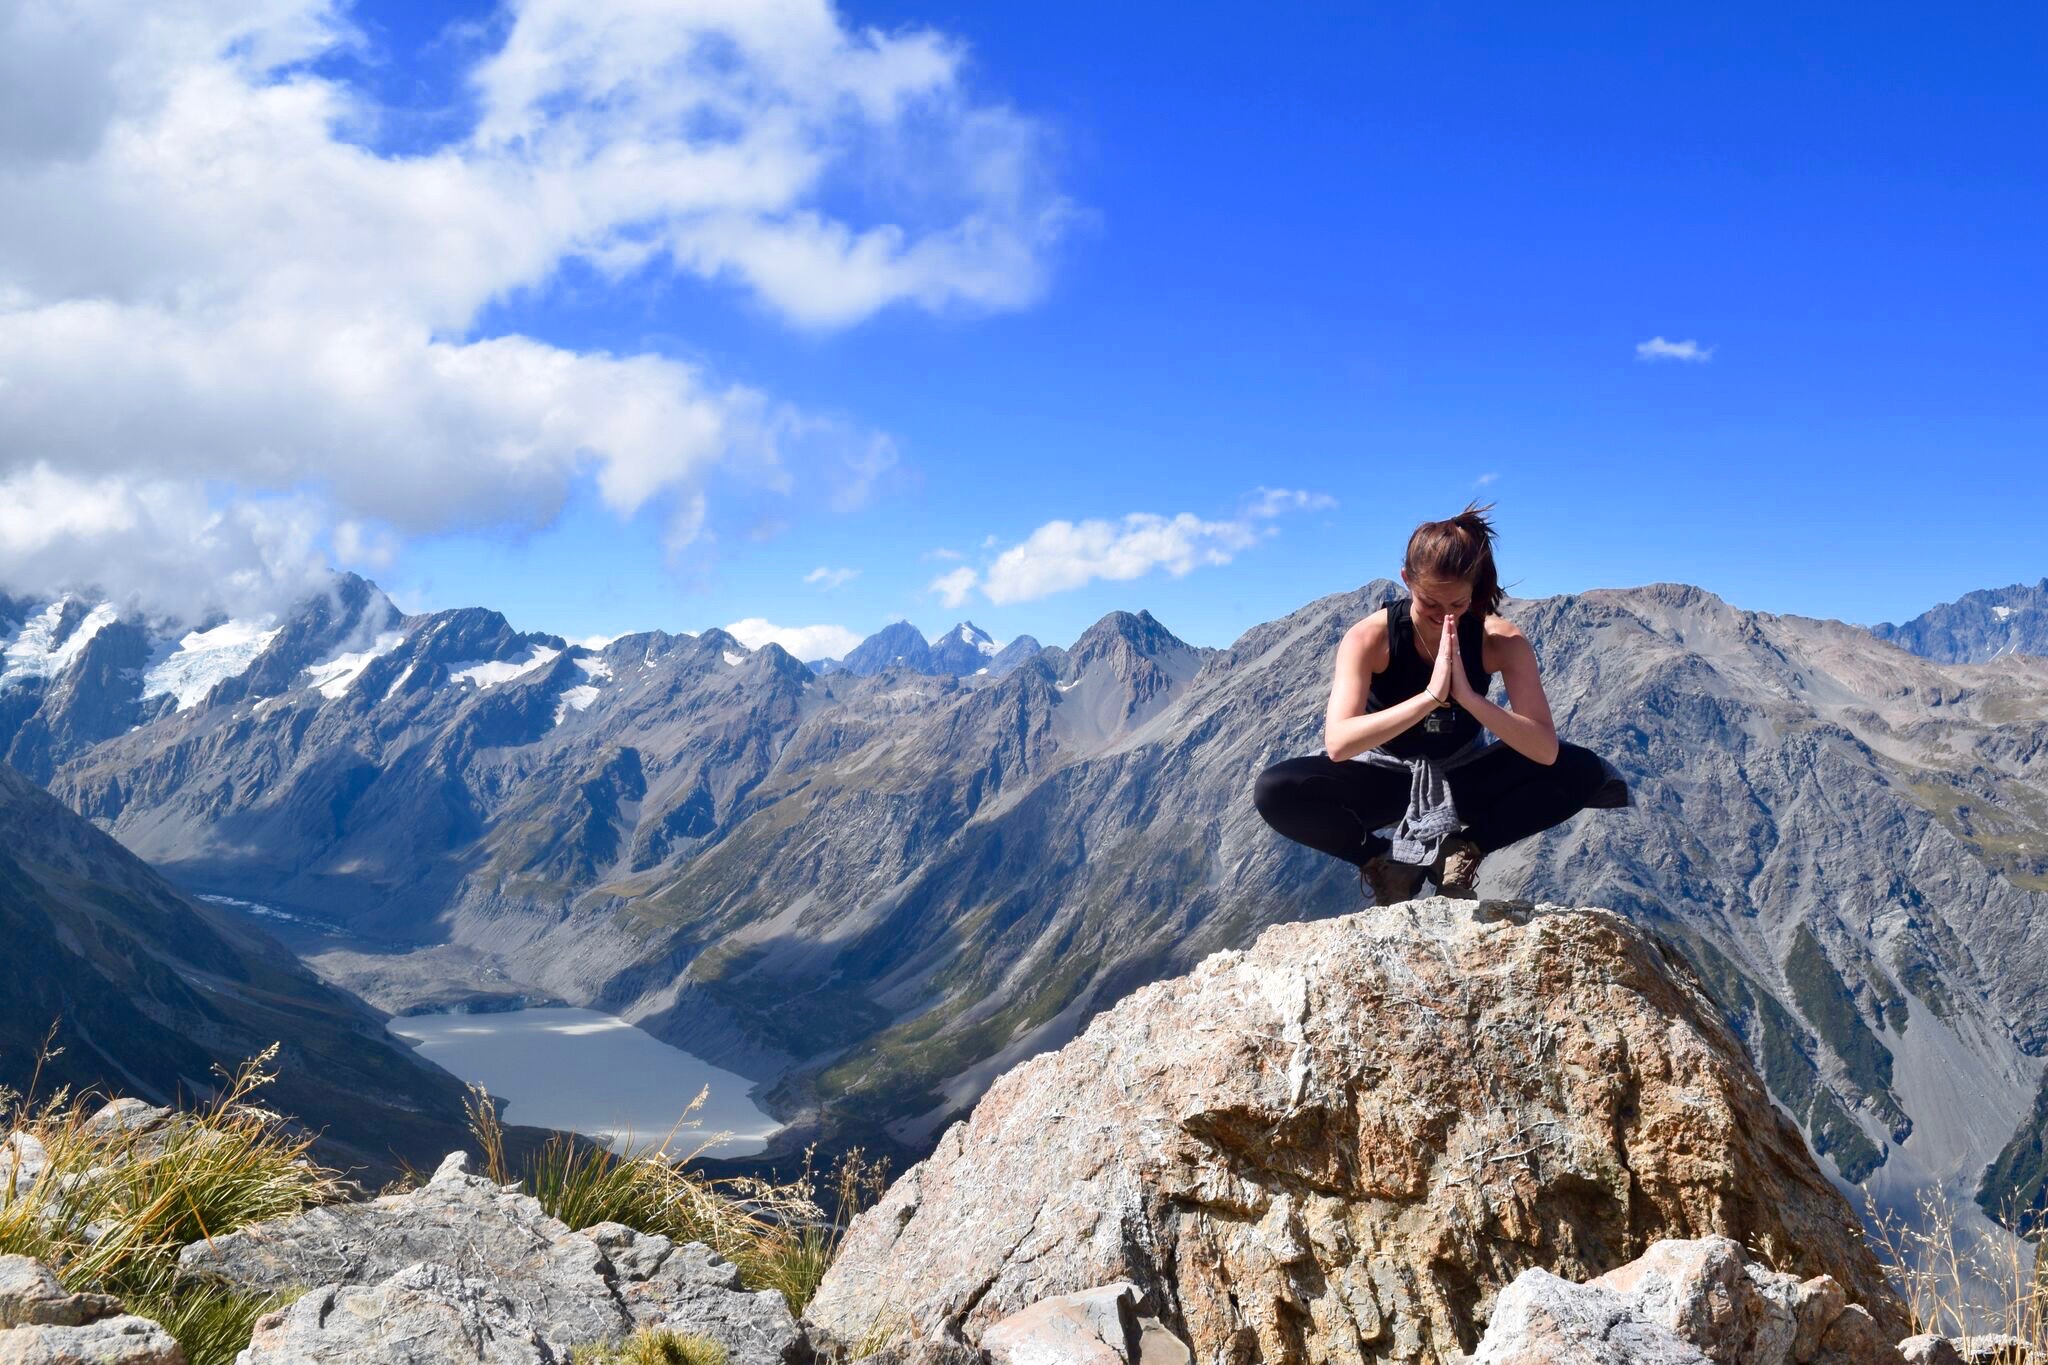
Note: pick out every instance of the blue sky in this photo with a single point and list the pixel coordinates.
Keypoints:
(1382, 259)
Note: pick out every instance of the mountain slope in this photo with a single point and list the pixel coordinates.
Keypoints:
(150, 991)
(1978, 626)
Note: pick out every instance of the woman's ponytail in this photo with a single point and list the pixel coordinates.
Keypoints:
(1460, 548)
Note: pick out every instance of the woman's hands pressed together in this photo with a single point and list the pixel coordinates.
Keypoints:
(1444, 676)
(1461, 689)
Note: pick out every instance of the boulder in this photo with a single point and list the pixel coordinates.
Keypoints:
(31, 1295)
(119, 1340)
(1705, 1294)
(568, 1288)
(22, 1159)
(1543, 1320)
(421, 1315)
(1095, 1327)
(41, 1323)
(1344, 1142)
(126, 1116)
(1928, 1349)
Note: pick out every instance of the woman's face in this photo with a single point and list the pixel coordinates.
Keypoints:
(1437, 598)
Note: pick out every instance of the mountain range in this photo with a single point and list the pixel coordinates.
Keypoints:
(872, 887)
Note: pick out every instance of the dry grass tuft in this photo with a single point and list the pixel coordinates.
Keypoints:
(1956, 1286)
(779, 1235)
(111, 1210)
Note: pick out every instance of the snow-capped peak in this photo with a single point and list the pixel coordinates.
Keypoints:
(206, 657)
(34, 651)
(970, 635)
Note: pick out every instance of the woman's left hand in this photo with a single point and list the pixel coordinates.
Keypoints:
(1462, 691)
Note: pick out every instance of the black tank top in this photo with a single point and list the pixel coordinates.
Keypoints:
(1448, 728)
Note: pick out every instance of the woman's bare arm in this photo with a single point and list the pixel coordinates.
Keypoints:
(1527, 729)
(1347, 730)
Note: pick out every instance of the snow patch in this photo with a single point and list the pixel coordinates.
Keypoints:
(594, 668)
(494, 671)
(206, 657)
(34, 651)
(734, 659)
(335, 675)
(577, 698)
(399, 682)
(2001, 612)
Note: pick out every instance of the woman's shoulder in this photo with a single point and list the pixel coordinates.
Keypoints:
(1500, 628)
(1503, 639)
(1369, 636)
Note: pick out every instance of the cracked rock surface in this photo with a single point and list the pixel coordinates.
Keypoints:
(1345, 1142)
(462, 1252)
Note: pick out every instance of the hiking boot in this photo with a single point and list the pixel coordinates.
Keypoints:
(1456, 869)
(1387, 881)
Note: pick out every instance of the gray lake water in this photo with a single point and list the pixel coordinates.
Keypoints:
(591, 1073)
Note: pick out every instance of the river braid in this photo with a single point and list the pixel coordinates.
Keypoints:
(1459, 547)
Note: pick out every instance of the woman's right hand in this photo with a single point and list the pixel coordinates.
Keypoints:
(1440, 678)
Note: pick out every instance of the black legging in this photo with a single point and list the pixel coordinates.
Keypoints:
(1501, 795)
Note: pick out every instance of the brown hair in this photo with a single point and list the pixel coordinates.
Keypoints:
(1459, 548)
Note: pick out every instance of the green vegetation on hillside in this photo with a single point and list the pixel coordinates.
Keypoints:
(1780, 1044)
(2015, 1186)
(1824, 998)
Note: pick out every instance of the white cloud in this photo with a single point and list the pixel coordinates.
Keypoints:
(215, 292)
(154, 543)
(941, 553)
(1657, 348)
(805, 642)
(954, 585)
(1063, 555)
(831, 578)
(1271, 502)
(1484, 479)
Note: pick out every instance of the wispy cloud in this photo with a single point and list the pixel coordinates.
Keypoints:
(1657, 348)
(942, 553)
(805, 642)
(1271, 502)
(1060, 556)
(953, 587)
(1484, 479)
(829, 579)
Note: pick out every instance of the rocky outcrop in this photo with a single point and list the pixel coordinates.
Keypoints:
(468, 1262)
(1687, 1303)
(41, 1323)
(1343, 1144)
(422, 1315)
(1095, 1327)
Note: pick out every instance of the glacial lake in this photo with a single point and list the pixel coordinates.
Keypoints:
(586, 1072)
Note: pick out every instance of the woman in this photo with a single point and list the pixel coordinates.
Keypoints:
(1406, 739)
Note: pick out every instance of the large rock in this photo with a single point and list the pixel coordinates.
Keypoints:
(566, 1288)
(422, 1315)
(1095, 1327)
(1344, 1142)
(1541, 1319)
(22, 1161)
(41, 1323)
(1702, 1300)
